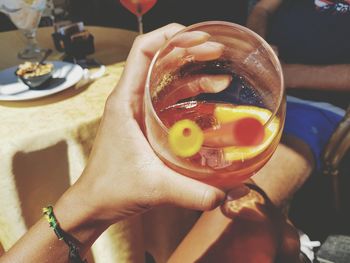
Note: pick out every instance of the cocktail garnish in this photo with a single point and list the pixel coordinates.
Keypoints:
(185, 138)
(248, 131)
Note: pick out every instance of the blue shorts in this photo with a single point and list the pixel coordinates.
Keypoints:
(313, 123)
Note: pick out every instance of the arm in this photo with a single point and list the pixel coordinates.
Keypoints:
(259, 16)
(322, 77)
(119, 180)
(40, 244)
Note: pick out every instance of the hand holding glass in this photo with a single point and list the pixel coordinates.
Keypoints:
(214, 103)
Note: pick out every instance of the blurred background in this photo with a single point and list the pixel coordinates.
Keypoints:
(111, 13)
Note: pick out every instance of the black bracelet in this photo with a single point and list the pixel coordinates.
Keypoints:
(74, 256)
(253, 186)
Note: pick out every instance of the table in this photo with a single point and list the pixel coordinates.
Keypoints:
(44, 146)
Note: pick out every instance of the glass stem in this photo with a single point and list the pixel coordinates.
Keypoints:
(139, 21)
(31, 38)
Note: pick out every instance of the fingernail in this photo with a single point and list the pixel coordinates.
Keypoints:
(237, 193)
(207, 51)
(190, 39)
(216, 83)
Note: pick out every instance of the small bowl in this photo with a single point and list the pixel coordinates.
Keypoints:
(35, 82)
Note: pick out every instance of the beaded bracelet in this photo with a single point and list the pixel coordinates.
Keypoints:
(74, 256)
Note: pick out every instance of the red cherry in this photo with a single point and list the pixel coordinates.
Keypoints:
(248, 131)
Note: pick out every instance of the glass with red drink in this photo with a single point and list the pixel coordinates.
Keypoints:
(138, 8)
(214, 103)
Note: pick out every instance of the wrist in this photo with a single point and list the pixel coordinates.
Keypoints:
(289, 72)
(257, 21)
(77, 218)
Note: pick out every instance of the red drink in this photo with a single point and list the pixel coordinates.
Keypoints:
(138, 7)
(221, 165)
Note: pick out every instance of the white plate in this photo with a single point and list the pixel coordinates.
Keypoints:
(65, 76)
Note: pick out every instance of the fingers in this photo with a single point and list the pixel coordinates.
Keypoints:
(148, 44)
(186, 192)
(190, 39)
(206, 51)
(178, 56)
(185, 48)
(186, 39)
(141, 54)
(130, 88)
(193, 86)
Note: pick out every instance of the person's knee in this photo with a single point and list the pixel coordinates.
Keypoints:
(300, 148)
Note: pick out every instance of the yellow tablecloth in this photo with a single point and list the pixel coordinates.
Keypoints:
(44, 146)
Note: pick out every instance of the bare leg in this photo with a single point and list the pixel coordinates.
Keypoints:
(258, 232)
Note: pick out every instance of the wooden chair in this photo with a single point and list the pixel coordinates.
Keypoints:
(338, 147)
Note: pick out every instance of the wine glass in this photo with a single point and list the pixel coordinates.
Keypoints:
(26, 15)
(138, 8)
(214, 103)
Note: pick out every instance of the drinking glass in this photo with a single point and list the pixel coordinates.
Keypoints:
(138, 8)
(26, 15)
(214, 103)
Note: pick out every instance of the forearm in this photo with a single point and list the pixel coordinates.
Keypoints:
(287, 170)
(40, 244)
(323, 77)
(260, 14)
(209, 227)
(257, 21)
(248, 225)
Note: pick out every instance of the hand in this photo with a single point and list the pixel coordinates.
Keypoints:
(123, 175)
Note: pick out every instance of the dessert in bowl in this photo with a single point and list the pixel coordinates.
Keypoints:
(34, 75)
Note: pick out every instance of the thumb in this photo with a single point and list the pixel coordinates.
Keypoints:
(186, 192)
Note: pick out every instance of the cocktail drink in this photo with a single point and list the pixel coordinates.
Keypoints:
(138, 8)
(214, 103)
